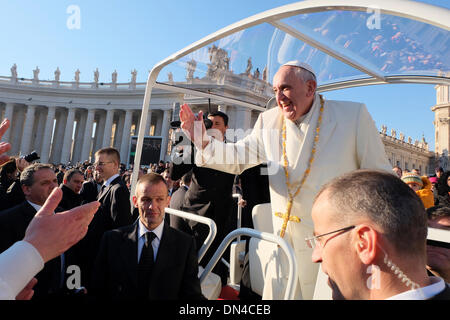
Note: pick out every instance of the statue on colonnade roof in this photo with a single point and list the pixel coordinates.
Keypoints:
(14, 71)
(36, 74)
(57, 74)
(114, 77)
(191, 65)
(77, 76)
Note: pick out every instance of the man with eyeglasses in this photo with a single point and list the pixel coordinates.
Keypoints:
(370, 233)
(115, 208)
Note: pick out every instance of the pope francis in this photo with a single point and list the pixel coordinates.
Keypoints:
(306, 141)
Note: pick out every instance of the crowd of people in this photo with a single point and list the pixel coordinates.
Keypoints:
(432, 189)
(25, 187)
(123, 250)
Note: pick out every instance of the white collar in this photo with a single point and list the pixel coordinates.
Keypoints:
(424, 293)
(158, 231)
(34, 205)
(299, 121)
(108, 182)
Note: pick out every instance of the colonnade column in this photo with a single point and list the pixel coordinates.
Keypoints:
(79, 135)
(67, 141)
(99, 130)
(126, 136)
(136, 125)
(108, 128)
(16, 129)
(243, 118)
(9, 112)
(36, 142)
(119, 130)
(88, 135)
(158, 127)
(46, 139)
(165, 134)
(58, 137)
(27, 130)
(149, 123)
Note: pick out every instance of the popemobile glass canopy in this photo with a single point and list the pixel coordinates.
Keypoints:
(348, 43)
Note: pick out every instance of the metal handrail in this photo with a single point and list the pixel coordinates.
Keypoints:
(239, 211)
(209, 222)
(293, 267)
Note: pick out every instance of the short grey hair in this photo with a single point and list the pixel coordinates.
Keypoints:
(27, 175)
(386, 201)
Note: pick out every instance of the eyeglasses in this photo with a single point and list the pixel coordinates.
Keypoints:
(101, 164)
(312, 242)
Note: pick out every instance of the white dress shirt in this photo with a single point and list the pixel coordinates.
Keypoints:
(142, 230)
(108, 182)
(424, 293)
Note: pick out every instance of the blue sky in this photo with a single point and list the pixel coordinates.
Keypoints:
(126, 35)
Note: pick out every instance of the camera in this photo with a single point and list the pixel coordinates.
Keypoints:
(31, 157)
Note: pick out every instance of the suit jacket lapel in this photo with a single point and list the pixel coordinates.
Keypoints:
(28, 212)
(165, 257)
(128, 251)
(105, 191)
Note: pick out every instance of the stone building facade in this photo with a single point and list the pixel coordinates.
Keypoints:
(406, 154)
(441, 124)
(68, 121)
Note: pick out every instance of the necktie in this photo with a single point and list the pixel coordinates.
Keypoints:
(145, 266)
(99, 195)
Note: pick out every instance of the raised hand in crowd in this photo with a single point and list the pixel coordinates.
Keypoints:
(52, 234)
(4, 146)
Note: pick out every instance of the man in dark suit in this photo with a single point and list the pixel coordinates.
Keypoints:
(255, 190)
(91, 188)
(14, 194)
(176, 202)
(61, 172)
(72, 183)
(147, 260)
(114, 211)
(38, 181)
(209, 195)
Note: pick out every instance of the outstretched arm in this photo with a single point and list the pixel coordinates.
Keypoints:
(47, 236)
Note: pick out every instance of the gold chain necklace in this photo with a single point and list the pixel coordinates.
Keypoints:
(287, 216)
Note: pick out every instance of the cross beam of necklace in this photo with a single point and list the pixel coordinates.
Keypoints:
(286, 218)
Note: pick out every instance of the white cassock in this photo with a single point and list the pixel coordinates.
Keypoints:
(348, 140)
